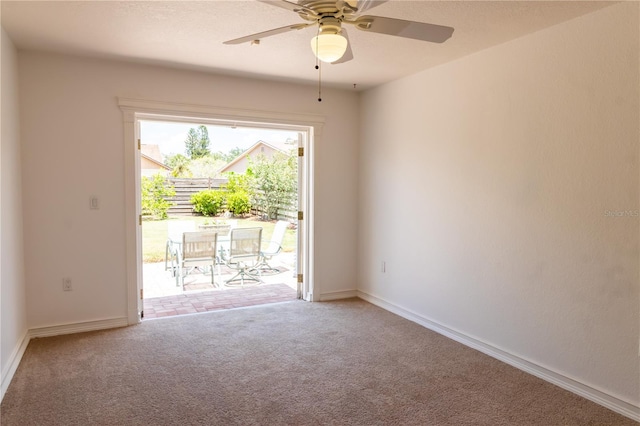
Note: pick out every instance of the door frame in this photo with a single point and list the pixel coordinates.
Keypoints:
(134, 110)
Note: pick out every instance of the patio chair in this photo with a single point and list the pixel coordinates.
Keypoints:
(198, 249)
(274, 248)
(223, 231)
(243, 254)
(175, 228)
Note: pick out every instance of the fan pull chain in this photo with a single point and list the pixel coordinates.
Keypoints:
(318, 67)
(320, 83)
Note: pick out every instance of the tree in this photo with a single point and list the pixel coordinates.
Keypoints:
(206, 167)
(229, 156)
(179, 165)
(182, 171)
(191, 143)
(276, 179)
(197, 142)
(220, 156)
(174, 160)
(233, 154)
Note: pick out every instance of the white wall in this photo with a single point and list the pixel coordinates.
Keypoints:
(484, 185)
(70, 115)
(13, 323)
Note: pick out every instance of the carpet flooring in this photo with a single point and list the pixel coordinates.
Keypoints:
(295, 363)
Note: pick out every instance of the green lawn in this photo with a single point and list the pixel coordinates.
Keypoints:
(154, 235)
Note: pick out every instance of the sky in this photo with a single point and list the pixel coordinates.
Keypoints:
(170, 137)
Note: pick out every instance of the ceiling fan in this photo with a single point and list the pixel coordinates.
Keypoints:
(331, 44)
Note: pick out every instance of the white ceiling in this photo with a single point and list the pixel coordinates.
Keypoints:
(189, 34)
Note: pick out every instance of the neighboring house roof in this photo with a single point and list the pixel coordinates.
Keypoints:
(152, 153)
(255, 149)
(155, 162)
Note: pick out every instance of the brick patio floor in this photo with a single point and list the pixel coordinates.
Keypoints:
(213, 300)
(163, 298)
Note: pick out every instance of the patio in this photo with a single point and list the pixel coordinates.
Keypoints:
(163, 298)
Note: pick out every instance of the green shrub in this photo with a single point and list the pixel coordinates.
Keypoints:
(238, 203)
(155, 192)
(239, 191)
(208, 202)
(238, 183)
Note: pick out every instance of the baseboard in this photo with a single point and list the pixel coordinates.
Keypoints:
(12, 365)
(335, 295)
(599, 397)
(79, 327)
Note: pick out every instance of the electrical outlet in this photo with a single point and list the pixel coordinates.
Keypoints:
(66, 284)
(93, 203)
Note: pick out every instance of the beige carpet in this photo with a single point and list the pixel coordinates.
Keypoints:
(295, 363)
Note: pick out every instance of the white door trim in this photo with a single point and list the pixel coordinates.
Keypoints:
(136, 109)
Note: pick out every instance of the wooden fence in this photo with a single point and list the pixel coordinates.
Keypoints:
(284, 211)
(186, 187)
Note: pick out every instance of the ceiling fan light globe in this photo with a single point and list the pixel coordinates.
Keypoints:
(329, 47)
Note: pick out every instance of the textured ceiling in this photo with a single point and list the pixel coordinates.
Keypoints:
(189, 34)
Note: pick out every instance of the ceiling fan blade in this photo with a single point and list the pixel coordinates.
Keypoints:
(269, 33)
(364, 5)
(289, 5)
(348, 54)
(401, 28)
